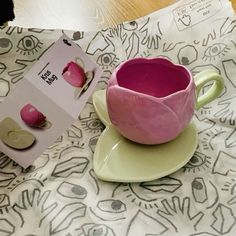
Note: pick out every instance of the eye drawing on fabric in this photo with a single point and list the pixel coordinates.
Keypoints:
(91, 229)
(60, 218)
(28, 45)
(208, 140)
(132, 25)
(144, 194)
(107, 59)
(109, 210)
(198, 162)
(215, 51)
(92, 123)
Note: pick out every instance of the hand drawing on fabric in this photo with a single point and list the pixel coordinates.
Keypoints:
(109, 210)
(5, 45)
(91, 229)
(229, 67)
(178, 213)
(227, 114)
(73, 191)
(227, 167)
(199, 162)
(187, 55)
(208, 141)
(29, 45)
(230, 141)
(107, 60)
(3, 67)
(224, 220)
(152, 34)
(215, 51)
(4, 88)
(139, 222)
(18, 74)
(39, 202)
(210, 36)
(228, 26)
(71, 161)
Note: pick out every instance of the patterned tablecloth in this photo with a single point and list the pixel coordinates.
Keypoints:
(60, 193)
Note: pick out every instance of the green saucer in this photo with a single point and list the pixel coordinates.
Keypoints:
(117, 159)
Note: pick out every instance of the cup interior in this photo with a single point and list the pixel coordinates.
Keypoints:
(158, 78)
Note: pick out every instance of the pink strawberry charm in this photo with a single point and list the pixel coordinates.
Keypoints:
(74, 74)
(32, 117)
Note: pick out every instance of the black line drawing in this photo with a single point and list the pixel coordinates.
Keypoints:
(197, 69)
(6, 178)
(138, 222)
(137, 194)
(150, 39)
(230, 141)
(107, 60)
(12, 29)
(204, 125)
(93, 142)
(29, 45)
(217, 50)
(66, 216)
(36, 200)
(187, 55)
(210, 36)
(7, 228)
(232, 201)
(35, 178)
(204, 234)
(227, 113)
(165, 184)
(4, 201)
(130, 26)
(74, 134)
(132, 49)
(109, 210)
(91, 123)
(227, 27)
(39, 31)
(227, 166)
(210, 136)
(18, 74)
(199, 190)
(185, 20)
(216, 198)
(91, 229)
(73, 165)
(5, 45)
(4, 160)
(95, 180)
(196, 42)
(73, 191)
(3, 67)
(230, 186)
(199, 162)
(4, 87)
(98, 39)
(177, 212)
(74, 35)
(234, 43)
(224, 219)
(170, 47)
(229, 67)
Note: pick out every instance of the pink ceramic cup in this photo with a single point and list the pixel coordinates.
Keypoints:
(151, 101)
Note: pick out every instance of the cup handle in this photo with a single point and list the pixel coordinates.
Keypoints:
(213, 92)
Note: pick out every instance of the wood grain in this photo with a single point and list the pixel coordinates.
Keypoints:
(85, 15)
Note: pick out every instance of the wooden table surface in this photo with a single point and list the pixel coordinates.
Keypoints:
(83, 15)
